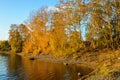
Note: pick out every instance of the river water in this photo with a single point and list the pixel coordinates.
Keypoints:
(14, 67)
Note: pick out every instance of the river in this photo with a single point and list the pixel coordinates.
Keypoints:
(14, 67)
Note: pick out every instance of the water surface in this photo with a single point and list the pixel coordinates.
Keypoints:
(16, 68)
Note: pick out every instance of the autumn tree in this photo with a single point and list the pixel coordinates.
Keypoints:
(73, 27)
(24, 31)
(38, 32)
(103, 23)
(15, 39)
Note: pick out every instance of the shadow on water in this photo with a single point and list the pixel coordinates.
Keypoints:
(24, 69)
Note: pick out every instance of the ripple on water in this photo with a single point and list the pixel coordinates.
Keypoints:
(3, 68)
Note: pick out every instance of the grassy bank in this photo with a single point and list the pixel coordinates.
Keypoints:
(5, 52)
(106, 65)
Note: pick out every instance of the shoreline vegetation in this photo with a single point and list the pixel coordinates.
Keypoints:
(105, 64)
(74, 32)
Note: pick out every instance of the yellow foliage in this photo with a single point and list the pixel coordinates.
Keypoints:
(59, 32)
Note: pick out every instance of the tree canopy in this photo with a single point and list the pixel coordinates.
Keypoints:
(75, 26)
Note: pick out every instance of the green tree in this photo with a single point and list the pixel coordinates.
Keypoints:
(15, 39)
(4, 46)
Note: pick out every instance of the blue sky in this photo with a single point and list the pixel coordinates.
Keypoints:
(18, 11)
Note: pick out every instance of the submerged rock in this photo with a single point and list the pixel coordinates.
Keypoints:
(65, 64)
(32, 58)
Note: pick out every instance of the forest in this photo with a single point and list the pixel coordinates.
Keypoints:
(4, 46)
(71, 28)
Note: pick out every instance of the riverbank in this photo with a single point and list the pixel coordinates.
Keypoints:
(5, 52)
(106, 64)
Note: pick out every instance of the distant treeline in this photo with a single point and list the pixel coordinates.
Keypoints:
(71, 28)
(4, 46)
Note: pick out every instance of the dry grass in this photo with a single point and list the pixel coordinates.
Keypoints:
(106, 65)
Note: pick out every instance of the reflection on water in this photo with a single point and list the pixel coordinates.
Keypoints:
(17, 68)
(3, 68)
